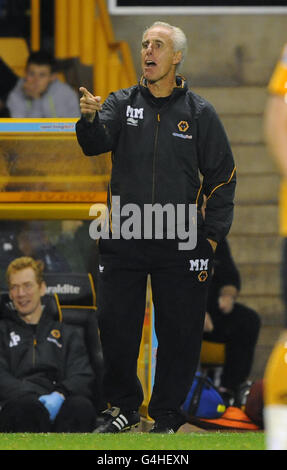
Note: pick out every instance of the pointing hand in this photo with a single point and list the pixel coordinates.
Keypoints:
(89, 104)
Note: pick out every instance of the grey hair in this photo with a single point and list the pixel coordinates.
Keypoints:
(178, 38)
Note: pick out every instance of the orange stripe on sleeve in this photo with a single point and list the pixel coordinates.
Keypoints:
(222, 184)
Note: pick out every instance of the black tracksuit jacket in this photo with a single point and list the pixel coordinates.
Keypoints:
(157, 154)
(50, 358)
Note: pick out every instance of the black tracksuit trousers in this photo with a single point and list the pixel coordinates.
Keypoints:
(239, 331)
(179, 289)
(28, 414)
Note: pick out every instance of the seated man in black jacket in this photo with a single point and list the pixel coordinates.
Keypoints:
(230, 322)
(45, 375)
(8, 80)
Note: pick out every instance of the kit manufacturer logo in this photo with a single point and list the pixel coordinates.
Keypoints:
(14, 339)
(133, 115)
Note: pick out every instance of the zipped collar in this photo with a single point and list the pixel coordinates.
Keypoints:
(181, 87)
(10, 314)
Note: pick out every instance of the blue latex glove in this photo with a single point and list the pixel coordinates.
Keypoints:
(53, 403)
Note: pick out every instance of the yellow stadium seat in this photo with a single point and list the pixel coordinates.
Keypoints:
(14, 52)
(212, 354)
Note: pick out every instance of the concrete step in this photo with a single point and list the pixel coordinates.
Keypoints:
(268, 335)
(256, 249)
(255, 219)
(253, 159)
(244, 129)
(251, 189)
(235, 100)
(260, 279)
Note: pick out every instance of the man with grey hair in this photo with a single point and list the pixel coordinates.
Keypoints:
(178, 38)
(162, 136)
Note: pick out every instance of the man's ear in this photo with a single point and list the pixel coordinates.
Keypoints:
(177, 57)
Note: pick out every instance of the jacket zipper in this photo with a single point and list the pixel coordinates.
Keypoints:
(34, 351)
(154, 156)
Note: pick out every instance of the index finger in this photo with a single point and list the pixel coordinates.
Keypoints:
(85, 92)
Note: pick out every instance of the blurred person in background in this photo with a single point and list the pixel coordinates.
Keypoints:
(40, 94)
(8, 80)
(275, 380)
(232, 323)
(33, 241)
